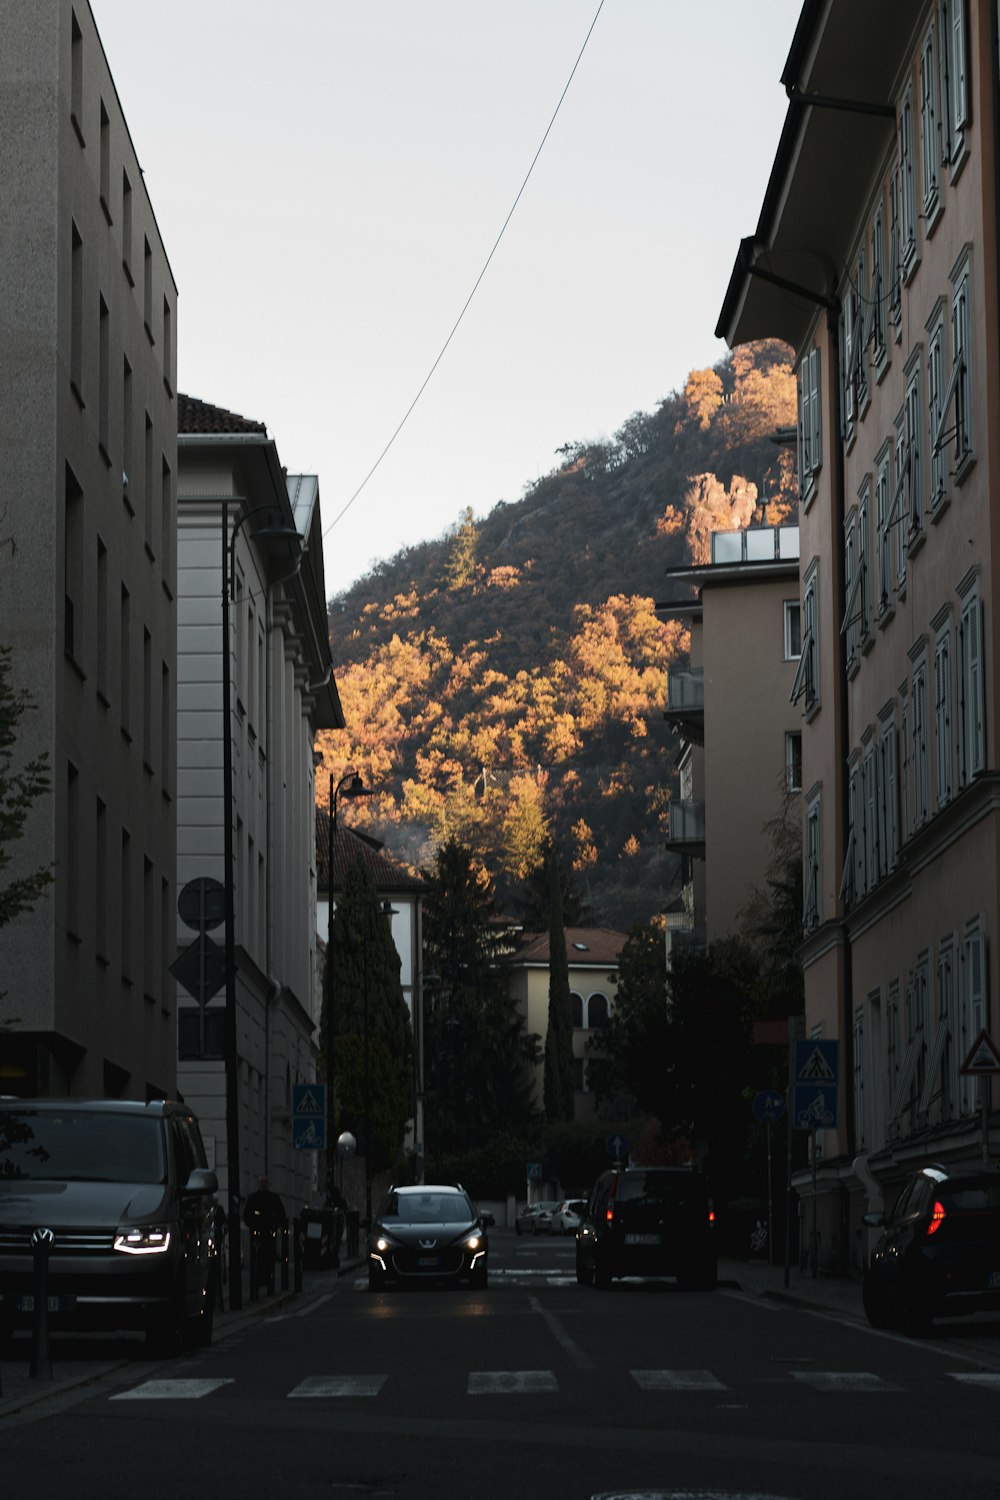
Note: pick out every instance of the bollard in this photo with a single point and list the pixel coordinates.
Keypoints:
(40, 1367)
(297, 1254)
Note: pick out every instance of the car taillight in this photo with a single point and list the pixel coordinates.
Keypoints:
(711, 1215)
(610, 1211)
(937, 1218)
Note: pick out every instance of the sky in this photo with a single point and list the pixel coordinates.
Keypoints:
(331, 176)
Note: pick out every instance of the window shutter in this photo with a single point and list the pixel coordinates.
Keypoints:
(960, 84)
(815, 412)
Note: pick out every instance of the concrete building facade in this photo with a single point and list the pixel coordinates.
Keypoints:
(88, 330)
(241, 517)
(875, 257)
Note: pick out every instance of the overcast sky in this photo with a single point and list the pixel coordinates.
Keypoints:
(330, 176)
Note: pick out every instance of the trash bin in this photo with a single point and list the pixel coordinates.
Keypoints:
(353, 1231)
(321, 1230)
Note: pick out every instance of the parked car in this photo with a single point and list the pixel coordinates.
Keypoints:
(566, 1219)
(428, 1233)
(939, 1251)
(648, 1221)
(536, 1218)
(126, 1192)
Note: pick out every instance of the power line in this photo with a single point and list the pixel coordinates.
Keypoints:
(444, 347)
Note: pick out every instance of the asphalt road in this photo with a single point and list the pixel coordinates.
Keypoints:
(536, 1387)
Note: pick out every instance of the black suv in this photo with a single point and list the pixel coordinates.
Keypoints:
(126, 1192)
(647, 1221)
(939, 1251)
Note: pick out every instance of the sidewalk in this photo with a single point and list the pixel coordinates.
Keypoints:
(838, 1294)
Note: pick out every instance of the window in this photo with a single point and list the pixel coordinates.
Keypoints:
(76, 76)
(918, 1021)
(166, 524)
(810, 451)
(102, 621)
(105, 163)
(870, 792)
(76, 314)
(168, 346)
(883, 501)
(806, 681)
(904, 744)
(811, 875)
(888, 814)
(864, 561)
(103, 378)
(943, 751)
(597, 1012)
(972, 1006)
(907, 186)
(147, 698)
(793, 630)
(125, 674)
(852, 588)
(72, 867)
(949, 1060)
(971, 723)
(864, 315)
(892, 1051)
(921, 770)
(914, 451)
(125, 905)
(166, 730)
(879, 346)
(101, 882)
(127, 228)
(73, 564)
(852, 878)
(127, 434)
(954, 100)
(935, 405)
(928, 125)
(148, 929)
(147, 486)
(960, 385)
(895, 254)
(793, 760)
(847, 332)
(147, 289)
(897, 511)
(859, 1077)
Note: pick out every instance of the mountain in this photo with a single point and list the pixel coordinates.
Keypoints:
(508, 680)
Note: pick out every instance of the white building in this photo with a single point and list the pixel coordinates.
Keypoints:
(87, 567)
(232, 493)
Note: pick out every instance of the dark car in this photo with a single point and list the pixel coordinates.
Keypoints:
(126, 1192)
(648, 1221)
(428, 1233)
(938, 1255)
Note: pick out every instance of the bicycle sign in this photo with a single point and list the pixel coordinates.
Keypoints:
(814, 1106)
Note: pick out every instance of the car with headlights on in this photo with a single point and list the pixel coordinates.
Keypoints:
(125, 1197)
(938, 1255)
(428, 1233)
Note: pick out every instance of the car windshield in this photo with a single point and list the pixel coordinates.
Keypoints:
(80, 1146)
(656, 1189)
(427, 1208)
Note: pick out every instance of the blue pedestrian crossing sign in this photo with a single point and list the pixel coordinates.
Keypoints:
(816, 1076)
(309, 1116)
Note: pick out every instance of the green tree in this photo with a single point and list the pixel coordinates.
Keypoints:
(20, 788)
(368, 1001)
(460, 567)
(478, 1056)
(629, 1055)
(558, 1073)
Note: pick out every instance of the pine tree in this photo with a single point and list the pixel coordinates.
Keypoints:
(460, 568)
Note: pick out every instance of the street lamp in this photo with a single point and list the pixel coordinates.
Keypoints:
(349, 785)
(269, 533)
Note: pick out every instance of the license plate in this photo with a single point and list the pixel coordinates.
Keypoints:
(55, 1304)
(427, 1260)
(642, 1239)
(993, 1281)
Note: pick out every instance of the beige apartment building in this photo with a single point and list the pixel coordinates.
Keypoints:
(247, 526)
(875, 257)
(88, 311)
(741, 738)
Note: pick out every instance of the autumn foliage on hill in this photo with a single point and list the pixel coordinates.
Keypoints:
(507, 681)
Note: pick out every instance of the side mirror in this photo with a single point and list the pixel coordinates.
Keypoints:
(487, 1220)
(201, 1181)
(874, 1221)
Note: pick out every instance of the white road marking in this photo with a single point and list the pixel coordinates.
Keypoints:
(566, 1343)
(676, 1380)
(843, 1380)
(338, 1385)
(991, 1382)
(511, 1382)
(171, 1390)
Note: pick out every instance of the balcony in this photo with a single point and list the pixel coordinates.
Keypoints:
(686, 702)
(758, 544)
(687, 828)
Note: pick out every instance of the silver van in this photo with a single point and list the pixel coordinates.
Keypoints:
(127, 1194)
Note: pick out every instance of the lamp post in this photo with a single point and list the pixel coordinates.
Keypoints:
(349, 785)
(269, 532)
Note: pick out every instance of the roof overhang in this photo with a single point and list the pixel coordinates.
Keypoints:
(841, 78)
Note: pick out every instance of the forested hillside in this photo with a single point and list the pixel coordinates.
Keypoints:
(507, 681)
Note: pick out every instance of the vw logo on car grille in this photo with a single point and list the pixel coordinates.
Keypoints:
(427, 1244)
(42, 1237)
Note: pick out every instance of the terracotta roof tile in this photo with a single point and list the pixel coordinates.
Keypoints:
(349, 845)
(584, 945)
(198, 416)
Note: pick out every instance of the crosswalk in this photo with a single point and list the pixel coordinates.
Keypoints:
(536, 1383)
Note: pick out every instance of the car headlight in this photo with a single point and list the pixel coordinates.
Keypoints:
(473, 1242)
(383, 1243)
(143, 1239)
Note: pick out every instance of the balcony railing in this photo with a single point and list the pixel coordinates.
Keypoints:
(685, 689)
(756, 544)
(687, 822)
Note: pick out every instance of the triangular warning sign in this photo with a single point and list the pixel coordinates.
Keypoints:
(816, 1067)
(308, 1104)
(984, 1057)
